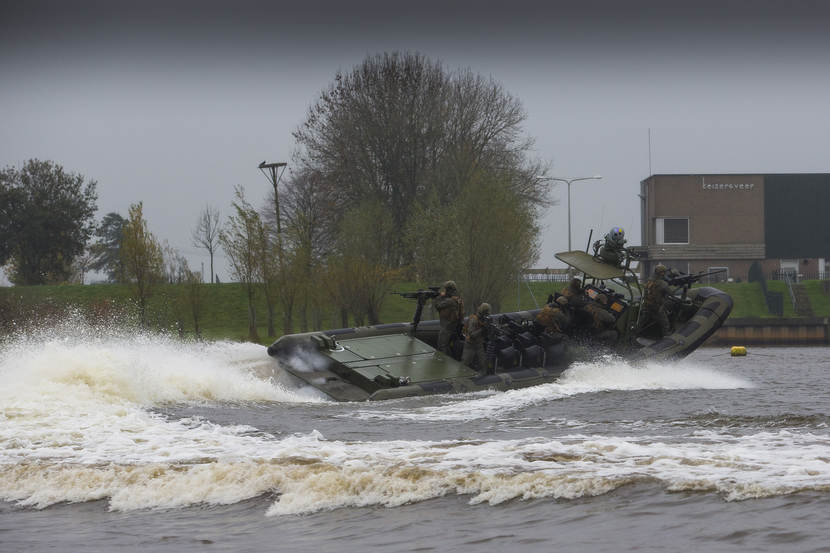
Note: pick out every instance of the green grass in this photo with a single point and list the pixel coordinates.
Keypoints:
(749, 301)
(225, 313)
(819, 299)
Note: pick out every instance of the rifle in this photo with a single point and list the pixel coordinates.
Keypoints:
(422, 296)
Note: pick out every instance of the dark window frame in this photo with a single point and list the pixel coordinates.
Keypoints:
(674, 232)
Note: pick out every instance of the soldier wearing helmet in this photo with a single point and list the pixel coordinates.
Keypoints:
(574, 294)
(613, 251)
(598, 308)
(603, 321)
(474, 334)
(555, 318)
(653, 308)
(450, 309)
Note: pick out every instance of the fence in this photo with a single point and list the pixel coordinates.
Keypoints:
(784, 274)
(545, 275)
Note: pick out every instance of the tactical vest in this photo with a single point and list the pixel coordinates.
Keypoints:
(653, 293)
(454, 311)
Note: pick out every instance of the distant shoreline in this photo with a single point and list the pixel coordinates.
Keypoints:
(777, 331)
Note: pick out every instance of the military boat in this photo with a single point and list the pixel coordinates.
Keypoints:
(397, 360)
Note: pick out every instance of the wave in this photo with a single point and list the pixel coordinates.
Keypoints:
(114, 365)
(86, 394)
(606, 374)
(307, 473)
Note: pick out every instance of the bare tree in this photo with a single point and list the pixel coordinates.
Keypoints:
(206, 233)
(306, 210)
(175, 264)
(193, 299)
(269, 273)
(240, 239)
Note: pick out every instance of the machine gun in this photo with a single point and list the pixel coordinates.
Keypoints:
(688, 280)
(422, 296)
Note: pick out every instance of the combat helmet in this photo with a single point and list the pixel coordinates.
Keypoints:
(575, 285)
(660, 269)
(617, 234)
(450, 285)
(484, 309)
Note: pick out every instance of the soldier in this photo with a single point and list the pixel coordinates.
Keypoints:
(612, 251)
(554, 318)
(450, 312)
(474, 333)
(574, 294)
(604, 321)
(575, 301)
(654, 311)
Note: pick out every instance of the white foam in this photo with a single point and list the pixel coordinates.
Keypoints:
(85, 397)
(607, 374)
(146, 369)
(76, 425)
(309, 473)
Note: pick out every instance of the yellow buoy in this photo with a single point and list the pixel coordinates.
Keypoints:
(738, 351)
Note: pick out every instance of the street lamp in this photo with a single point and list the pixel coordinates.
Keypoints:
(569, 181)
(273, 172)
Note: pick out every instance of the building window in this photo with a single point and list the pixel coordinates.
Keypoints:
(672, 231)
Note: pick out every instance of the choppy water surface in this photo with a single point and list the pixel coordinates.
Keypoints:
(112, 440)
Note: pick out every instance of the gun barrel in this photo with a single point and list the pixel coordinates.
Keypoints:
(418, 294)
(690, 279)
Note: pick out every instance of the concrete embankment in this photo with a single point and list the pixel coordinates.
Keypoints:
(801, 331)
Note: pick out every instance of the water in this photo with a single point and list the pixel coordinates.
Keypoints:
(110, 439)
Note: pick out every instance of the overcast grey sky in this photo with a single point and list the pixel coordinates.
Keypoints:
(174, 103)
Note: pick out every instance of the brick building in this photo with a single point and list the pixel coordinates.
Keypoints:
(703, 222)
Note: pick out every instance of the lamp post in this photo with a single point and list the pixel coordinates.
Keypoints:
(569, 181)
(273, 172)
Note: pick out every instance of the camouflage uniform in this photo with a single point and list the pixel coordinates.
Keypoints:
(553, 318)
(604, 321)
(450, 311)
(575, 300)
(474, 333)
(574, 294)
(657, 289)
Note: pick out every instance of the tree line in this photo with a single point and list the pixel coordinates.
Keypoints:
(403, 170)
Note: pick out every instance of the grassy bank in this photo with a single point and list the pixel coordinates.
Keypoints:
(224, 315)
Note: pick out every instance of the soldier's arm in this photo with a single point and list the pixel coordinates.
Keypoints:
(477, 330)
(442, 302)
